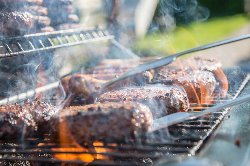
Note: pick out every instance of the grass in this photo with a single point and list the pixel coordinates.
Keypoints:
(195, 34)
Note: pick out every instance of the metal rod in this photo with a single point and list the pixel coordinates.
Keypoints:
(167, 60)
(182, 116)
(124, 49)
(28, 94)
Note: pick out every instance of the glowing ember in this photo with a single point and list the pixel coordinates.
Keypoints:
(66, 139)
(99, 150)
(68, 154)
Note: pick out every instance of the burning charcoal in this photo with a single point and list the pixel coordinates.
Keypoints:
(102, 121)
(160, 99)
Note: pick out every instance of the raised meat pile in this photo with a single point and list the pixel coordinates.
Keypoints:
(102, 122)
(161, 99)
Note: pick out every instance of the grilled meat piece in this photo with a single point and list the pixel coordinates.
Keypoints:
(15, 23)
(161, 99)
(102, 122)
(199, 85)
(86, 86)
(216, 68)
(37, 10)
(17, 120)
(202, 79)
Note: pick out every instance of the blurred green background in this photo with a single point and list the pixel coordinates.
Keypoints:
(226, 17)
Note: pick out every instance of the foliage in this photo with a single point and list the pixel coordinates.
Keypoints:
(195, 34)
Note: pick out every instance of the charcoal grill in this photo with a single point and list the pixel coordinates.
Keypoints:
(177, 141)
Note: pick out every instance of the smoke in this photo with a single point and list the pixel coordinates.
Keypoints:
(172, 12)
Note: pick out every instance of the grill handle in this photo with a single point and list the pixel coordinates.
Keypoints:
(169, 59)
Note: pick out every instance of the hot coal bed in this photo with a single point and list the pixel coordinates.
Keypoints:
(170, 144)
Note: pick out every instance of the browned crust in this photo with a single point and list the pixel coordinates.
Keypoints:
(104, 122)
(160, 99)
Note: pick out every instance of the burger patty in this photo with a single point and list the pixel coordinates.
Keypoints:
(199, 85)
(216, 68)
(161, 99)
(203, 79)
(102, 122)
(23, 120)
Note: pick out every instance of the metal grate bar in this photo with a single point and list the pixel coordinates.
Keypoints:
(47, 40)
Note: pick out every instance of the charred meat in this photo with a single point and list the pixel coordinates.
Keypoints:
(103, 122)
(16, 23)
(159, 98)
(17, 120)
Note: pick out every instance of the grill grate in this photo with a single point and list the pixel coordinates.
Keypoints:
(180, 140)
(35, 43)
